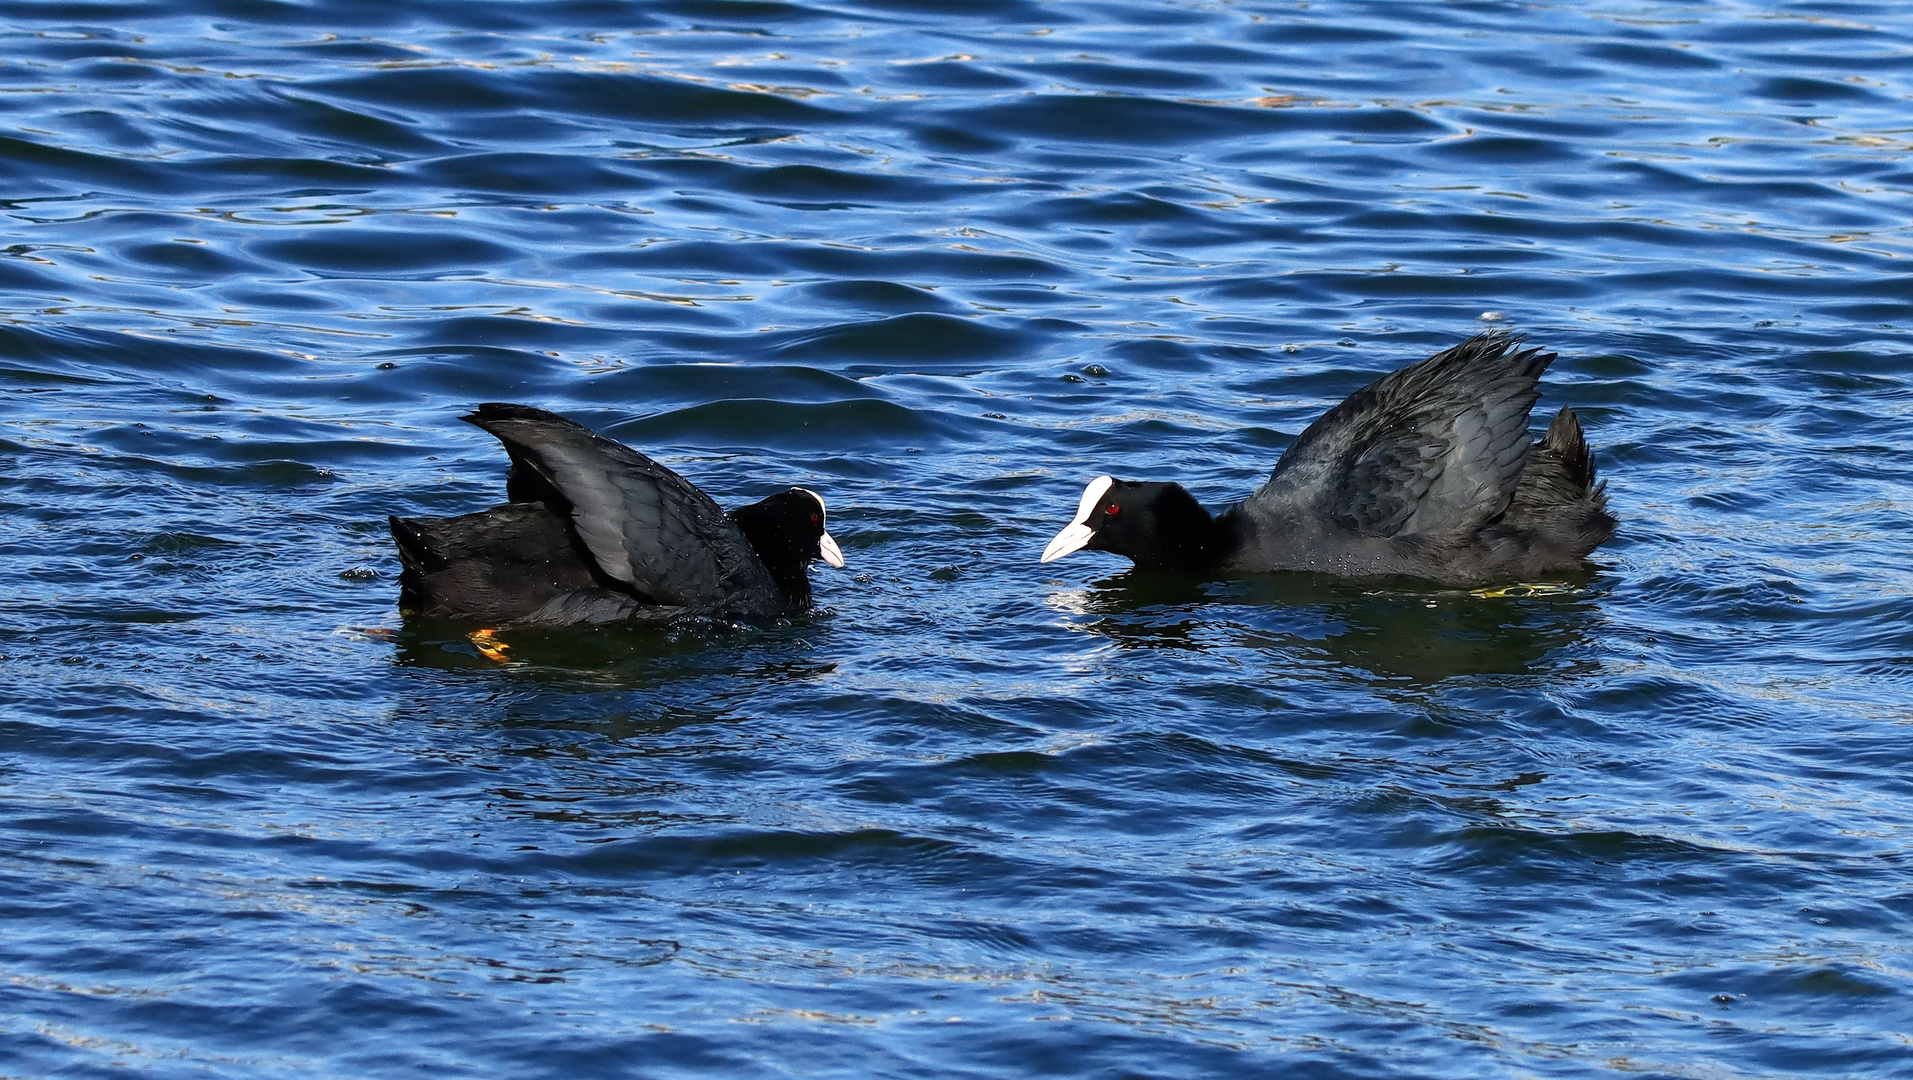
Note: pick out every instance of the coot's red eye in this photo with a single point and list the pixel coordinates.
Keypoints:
(813, 519)
(1111, 509)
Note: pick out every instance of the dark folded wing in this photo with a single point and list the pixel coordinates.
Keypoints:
(1432, 449)
(644, 525)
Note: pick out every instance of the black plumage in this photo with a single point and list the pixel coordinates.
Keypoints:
(597, 532)
(1427, 472)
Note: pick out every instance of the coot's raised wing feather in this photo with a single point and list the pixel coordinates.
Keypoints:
(1429, 450)
(644, 525)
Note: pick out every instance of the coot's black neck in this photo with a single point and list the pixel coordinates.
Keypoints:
(785, 553)
(1183, 536)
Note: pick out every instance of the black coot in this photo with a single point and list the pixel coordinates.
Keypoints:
(1427, 472)
(597, 532)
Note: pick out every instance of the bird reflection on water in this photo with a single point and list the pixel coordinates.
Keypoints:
(625, 655)
(1386, 630)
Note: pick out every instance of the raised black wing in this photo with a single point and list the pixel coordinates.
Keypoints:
(1429, 450)
(644, 525)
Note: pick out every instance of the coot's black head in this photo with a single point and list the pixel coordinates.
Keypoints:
(787, 531)
(1158, 526)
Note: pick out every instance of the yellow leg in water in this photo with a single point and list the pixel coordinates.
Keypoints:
(488, 645)
(1523, 589)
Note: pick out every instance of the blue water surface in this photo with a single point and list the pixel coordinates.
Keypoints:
(976, 816)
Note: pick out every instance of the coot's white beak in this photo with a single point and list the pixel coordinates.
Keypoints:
(832, 554)
(1077, 533)
(1072, 538)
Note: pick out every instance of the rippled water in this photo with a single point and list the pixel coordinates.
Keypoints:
(976, 817)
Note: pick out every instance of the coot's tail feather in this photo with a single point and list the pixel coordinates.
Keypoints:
(1565, 439)
(415, 548)
(1560, 497)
